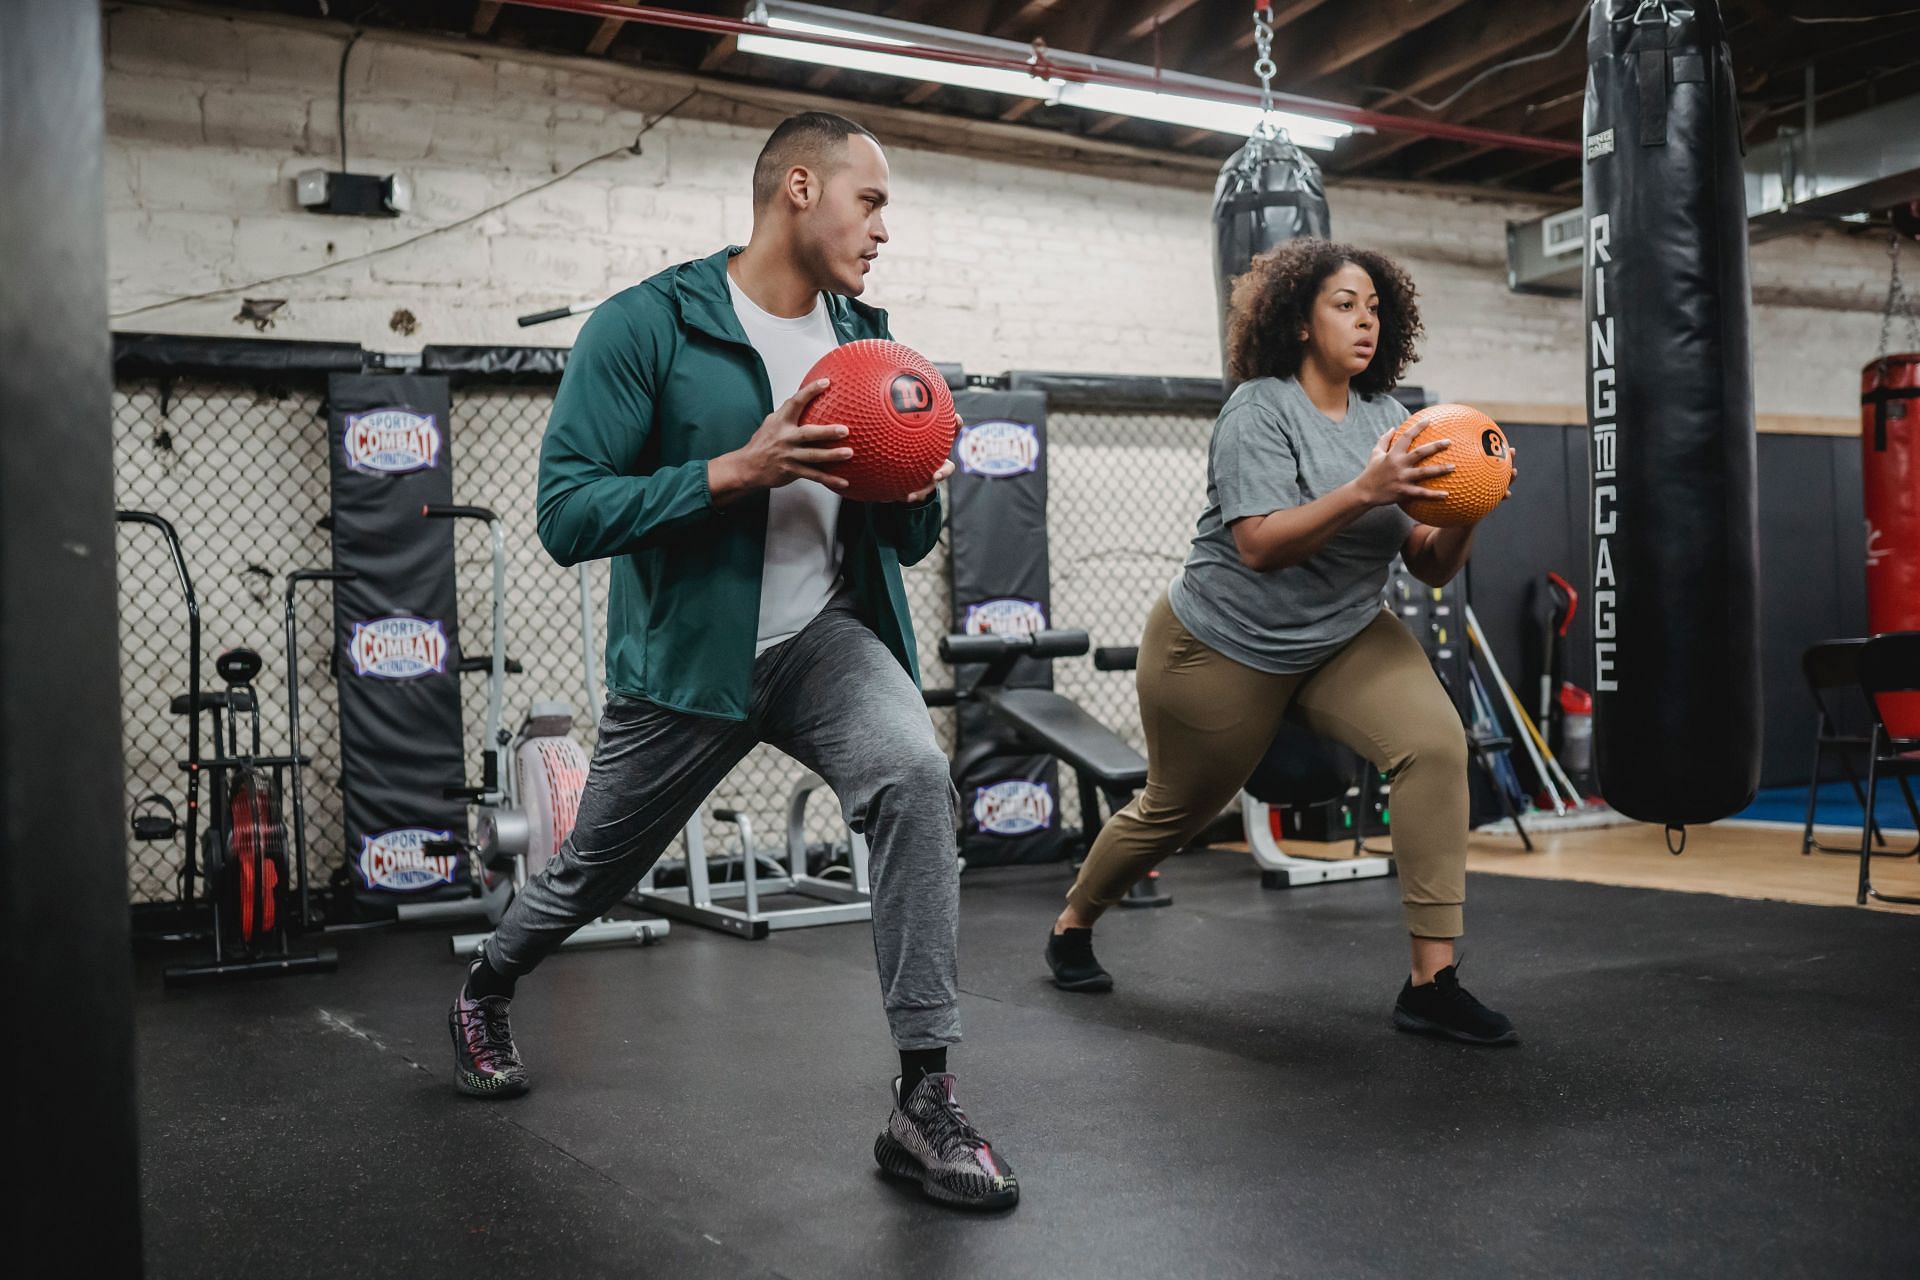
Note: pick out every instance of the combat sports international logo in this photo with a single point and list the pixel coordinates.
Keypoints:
(998, 449)
(401, 647)
(391, 442)
(1015, 807)
(398, 860)
(1005, 616)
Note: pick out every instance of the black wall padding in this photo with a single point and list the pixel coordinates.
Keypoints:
(1811, 546)
(165, 355)
(496, 366)
(396, 633)
(1009, 797)
(1088, 392)
(1670, 403)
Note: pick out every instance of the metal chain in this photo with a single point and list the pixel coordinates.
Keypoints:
(1897, 300)
(1263, 67)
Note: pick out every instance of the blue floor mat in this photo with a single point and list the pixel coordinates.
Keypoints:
(1837, 806)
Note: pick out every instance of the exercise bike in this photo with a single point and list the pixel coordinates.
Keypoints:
(243, 850)
(530, 781)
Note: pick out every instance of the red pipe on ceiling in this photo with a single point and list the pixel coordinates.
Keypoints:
(715, 25)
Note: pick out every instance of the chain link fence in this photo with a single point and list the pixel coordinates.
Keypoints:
(242, 472)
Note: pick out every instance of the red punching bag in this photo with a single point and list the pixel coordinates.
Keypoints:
(1890, 472)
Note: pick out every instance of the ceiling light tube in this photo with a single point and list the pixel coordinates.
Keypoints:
(992, 79)
(1189, 109)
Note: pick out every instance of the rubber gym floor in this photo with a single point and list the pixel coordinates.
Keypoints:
(1708, 1086)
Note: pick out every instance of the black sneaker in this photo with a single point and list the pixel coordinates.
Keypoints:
(929, 1139)
(1444, 1009)
(1070, 956)
(485, 1063)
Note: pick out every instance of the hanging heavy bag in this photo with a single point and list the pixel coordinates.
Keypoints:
(1890, 479)
(1268, 193)
(1670, 406)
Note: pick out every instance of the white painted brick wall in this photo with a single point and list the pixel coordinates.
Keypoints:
(997, 265)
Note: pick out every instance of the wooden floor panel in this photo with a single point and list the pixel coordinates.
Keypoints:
(1733, 860)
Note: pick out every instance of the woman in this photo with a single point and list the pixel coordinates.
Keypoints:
(1278, 611)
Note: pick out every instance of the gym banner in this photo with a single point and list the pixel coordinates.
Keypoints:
(1009, 798)
(397, 654)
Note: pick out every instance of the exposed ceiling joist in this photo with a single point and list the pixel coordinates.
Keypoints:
(1474, 39)
(722, 51)
(1351, 32)
(609, 28)
(1522, 85)
(1157, 13)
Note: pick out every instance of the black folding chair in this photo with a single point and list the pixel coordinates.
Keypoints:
(1888, 664)
(1831, 667)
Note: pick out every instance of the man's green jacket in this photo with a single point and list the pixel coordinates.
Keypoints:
(662, 379)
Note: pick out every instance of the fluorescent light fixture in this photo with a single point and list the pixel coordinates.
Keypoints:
(1200, 113)
(992, 79)
(1193, 111)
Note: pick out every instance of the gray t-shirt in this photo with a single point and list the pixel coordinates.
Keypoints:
(1272, 449)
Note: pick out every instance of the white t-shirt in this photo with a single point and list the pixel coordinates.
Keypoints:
(803, 545)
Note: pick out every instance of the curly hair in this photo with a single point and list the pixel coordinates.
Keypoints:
(1273, 302)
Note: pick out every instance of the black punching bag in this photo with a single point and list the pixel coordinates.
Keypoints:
(1269, 192)
(1670, 405)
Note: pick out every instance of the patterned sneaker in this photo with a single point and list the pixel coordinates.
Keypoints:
(929, 1139)
(485, 1063)
(1444, 1009)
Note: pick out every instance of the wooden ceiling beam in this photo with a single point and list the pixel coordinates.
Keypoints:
(1154, 13)
(1474, 40)
(1560, 118)
(609, 28)
(1349, 33)
(722, 51)
(1518, 86)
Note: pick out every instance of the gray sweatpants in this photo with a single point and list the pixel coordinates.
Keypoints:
(834, 699)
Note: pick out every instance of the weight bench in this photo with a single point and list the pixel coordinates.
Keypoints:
(1103, 763)
(704, 903)
(1278, 868)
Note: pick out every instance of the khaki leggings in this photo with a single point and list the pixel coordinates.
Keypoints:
(1209, 720)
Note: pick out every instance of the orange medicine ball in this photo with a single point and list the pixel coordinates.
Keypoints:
(1482, 465)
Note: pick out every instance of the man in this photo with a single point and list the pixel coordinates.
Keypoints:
(750, 603)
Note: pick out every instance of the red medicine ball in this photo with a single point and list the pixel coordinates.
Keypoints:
(898, 414)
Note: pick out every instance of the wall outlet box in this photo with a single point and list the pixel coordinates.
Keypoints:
(355, 194)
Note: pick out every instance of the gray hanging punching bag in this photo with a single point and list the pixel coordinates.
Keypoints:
(1269, 192)
(1670, 407)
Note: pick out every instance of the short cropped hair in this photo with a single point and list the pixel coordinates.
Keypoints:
(813, 139)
